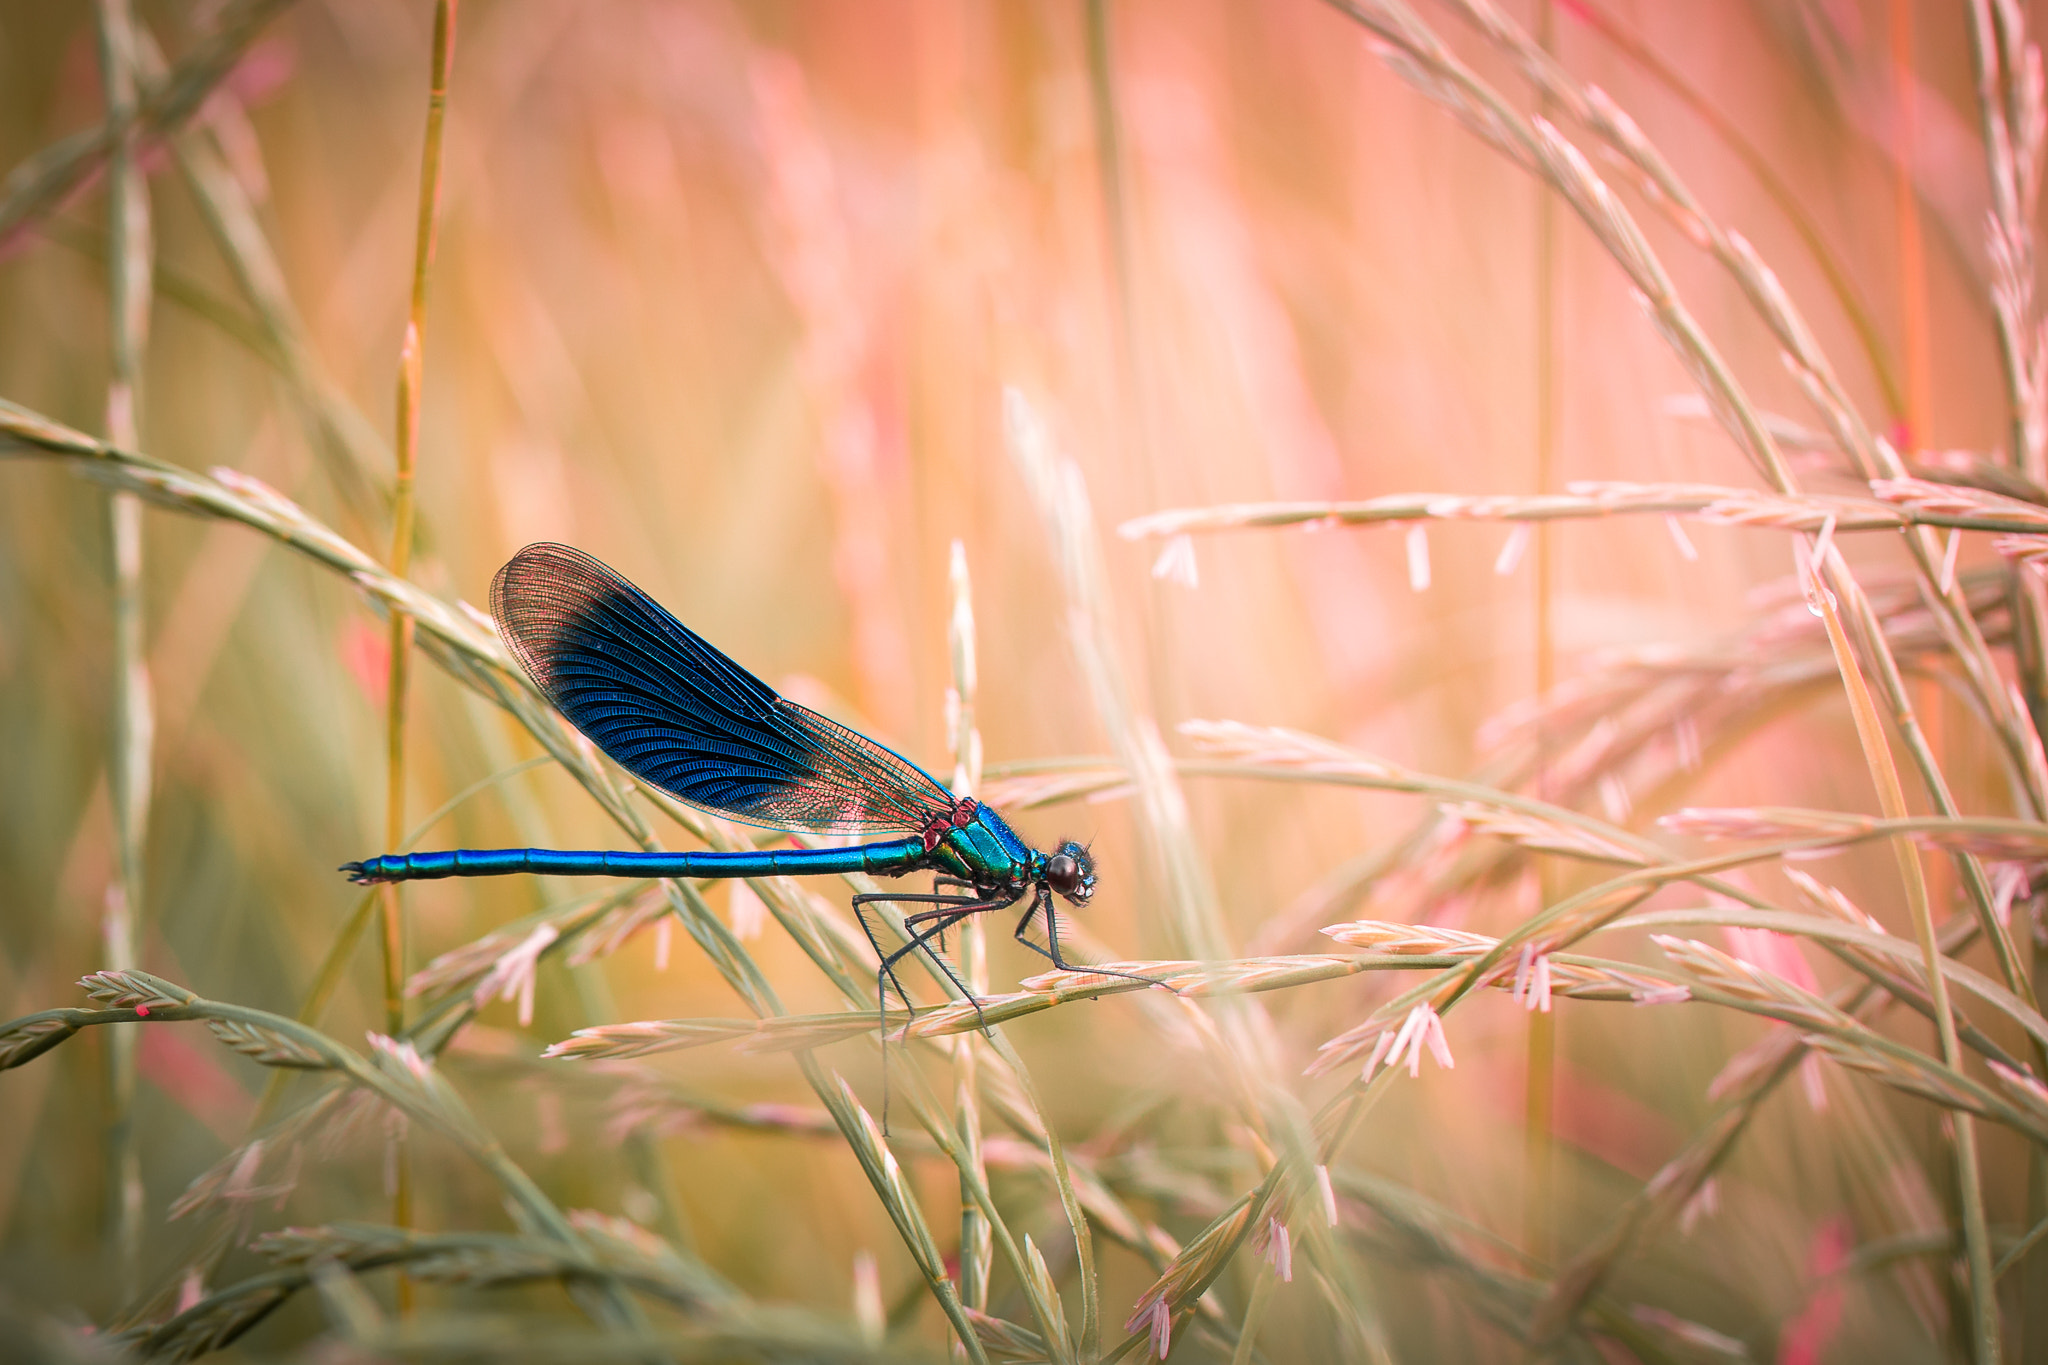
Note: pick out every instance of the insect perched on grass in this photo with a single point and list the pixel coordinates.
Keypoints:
(681, 716)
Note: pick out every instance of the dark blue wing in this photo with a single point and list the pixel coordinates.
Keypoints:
(674, 711)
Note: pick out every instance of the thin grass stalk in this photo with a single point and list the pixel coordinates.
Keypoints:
(406, 447)
(130, 254)
(1540, 1079)
(1912, 264)
(1908, 502)
(976, 1248)
(1134, 390)
(1984, 1327)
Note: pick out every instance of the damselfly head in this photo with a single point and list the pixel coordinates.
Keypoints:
(1071, 872)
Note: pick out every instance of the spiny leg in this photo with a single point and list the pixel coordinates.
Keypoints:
(888, 959)
(886, 973)
(942, 920)
(1044, 903)
(881, 954)
(939, 883)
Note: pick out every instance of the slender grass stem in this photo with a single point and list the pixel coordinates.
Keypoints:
(130, 256)
(976, 1247)
(1912, 264)
(1540, 1067)
(411, 369)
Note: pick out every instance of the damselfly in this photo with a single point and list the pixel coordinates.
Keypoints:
(682, 717)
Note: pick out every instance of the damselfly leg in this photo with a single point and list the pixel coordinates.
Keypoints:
(1042, 903)
(950, 911)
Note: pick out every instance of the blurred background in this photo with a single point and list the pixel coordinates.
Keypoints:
(727, 295)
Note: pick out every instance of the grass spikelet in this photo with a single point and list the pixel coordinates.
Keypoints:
(603, 1042)
(1733, 976)
(1383, 937)
(1530, 831)
(26, 1039)
(1006, 1341)
(267, 1045)
(134, 990)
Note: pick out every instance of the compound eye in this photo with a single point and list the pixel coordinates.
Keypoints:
(1063, 874)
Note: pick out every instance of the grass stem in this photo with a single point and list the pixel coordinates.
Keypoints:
(411, 370)
(130, 256)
